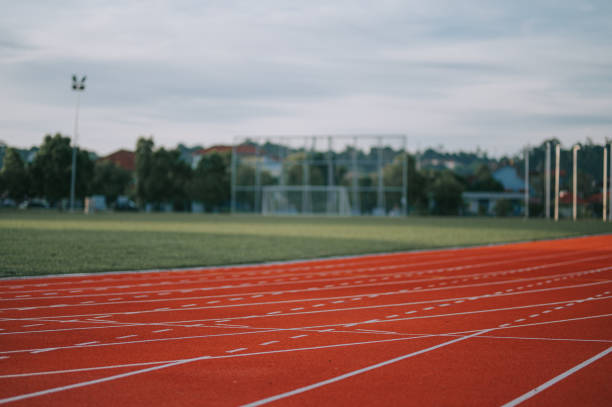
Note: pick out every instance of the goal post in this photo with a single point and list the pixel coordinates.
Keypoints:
(289, 200)
(341, 175)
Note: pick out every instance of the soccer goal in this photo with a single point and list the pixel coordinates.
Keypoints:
(298, 200)
(325, 175)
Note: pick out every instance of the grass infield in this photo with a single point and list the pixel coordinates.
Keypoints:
(46, 242)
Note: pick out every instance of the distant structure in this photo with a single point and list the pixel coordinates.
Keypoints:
(122, 158)
(507, 203)
(508, 177)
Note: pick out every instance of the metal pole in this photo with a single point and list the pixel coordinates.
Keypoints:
(330, 177)
(380, 196)
(604, 195)
(575, 183)
(234, 176)
(526, 183)
(404, 179)
(547, 189)
(257, 202)
(610, 178)
(75, 142)
(557, 165)
(355, 179)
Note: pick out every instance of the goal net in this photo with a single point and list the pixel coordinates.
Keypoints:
(305, 199)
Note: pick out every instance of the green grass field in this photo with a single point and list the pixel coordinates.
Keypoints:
(48, 242)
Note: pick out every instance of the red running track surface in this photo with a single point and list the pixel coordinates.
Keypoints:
(527, 323)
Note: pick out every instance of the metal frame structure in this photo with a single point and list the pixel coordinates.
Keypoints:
(309, 149)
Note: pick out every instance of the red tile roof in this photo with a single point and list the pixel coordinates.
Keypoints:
(122, 158)
(243, 149)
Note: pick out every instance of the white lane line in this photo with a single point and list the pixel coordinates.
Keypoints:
(31, 325)
(556, 379)
(548, 265)
(268, 343)
(42, 350)
(102, 380)
(235, 350)
(125, 336)
(357, 372)
(86, 343)
(162, 330)
(297, 336)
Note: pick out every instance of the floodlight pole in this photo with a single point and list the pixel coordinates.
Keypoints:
(604, 195)
(557, 165)
(404, 178)
(257, 179)
(77, 86)
(234, 169)
(610, 178)
(380, 195)
(526, 183)
(547, 189)
(330, 176)
(355, 179)
(575, 183)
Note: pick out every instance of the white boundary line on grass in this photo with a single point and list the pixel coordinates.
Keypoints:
(556, 379)
(316, 259)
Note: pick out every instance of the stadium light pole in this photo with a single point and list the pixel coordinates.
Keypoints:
(547, 188)
(610, 178)
(557, 165)
(526, 182)
(575, 183)
(78, 86)
(604, 195)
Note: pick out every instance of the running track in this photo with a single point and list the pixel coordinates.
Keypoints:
(527, 323)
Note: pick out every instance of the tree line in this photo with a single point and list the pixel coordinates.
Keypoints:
(163, 179)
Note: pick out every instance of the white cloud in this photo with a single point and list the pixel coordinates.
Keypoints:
(493, 74)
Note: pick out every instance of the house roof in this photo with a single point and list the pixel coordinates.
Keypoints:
(243, 149)
(123, 158)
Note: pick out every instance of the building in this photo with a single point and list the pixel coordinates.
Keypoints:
(123, 158)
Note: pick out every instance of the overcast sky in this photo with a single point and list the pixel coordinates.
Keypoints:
(463, 74)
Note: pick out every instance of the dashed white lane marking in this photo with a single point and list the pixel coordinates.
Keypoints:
(297, 309)
(297, 336)
(3, 357)
(268, 343)
(125, 336)
(86, 343)
(162, 330)
(235, 350)
(273, 312)
(31, 325)
(188, 305)
(556, 379)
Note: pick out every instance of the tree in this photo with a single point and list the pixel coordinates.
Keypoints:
(416, 183)
(446, 193)
(14, 176)
(110, 180)
(211, 181)
(161, 175)
(483, 181)
(52, 168)
(144, 168)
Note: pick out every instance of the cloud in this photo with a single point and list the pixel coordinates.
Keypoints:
(201, 72)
